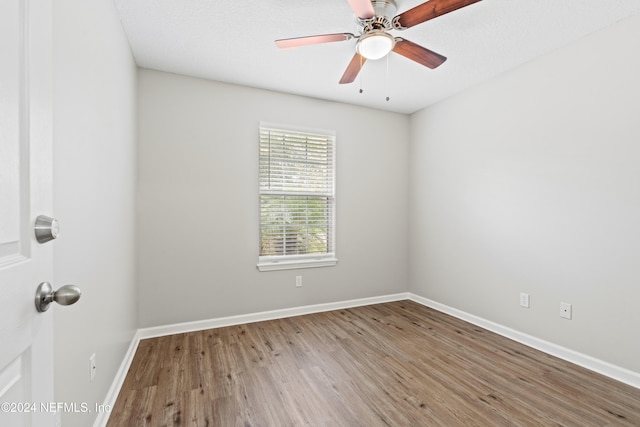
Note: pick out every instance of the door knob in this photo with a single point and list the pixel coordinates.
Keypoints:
(45, 295)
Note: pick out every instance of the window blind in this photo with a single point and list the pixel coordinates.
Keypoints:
(297, 203)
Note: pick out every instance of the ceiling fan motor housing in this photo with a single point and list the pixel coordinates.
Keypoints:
(384, 7)
(385, 11)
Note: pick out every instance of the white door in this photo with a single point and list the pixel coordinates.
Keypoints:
(26, 344)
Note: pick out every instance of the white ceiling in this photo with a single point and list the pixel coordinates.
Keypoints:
(233, 41)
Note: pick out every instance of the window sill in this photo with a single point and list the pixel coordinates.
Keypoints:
(291, 264)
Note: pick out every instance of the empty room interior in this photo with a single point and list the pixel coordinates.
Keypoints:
(479, 255)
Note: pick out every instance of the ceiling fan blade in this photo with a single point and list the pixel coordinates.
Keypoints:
(363, 9)
(429, 10)
(353, 69)
(417, 53)
(307, 40)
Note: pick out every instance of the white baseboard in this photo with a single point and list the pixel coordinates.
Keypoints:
(605, 368)
(621, 374)
(116, 385)
(179, 328)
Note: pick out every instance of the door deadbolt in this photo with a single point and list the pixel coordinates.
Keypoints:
(46, 228)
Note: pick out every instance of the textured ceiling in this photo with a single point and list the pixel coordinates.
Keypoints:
(233, 41)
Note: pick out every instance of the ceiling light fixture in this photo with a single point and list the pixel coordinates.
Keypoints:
(375, 45)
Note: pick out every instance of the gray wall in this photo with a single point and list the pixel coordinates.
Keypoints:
(198, 201)
(531, 183)
(94, 198)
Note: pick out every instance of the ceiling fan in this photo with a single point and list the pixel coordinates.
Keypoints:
(374, 41)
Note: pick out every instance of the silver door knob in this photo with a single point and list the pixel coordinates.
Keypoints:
(45, 295)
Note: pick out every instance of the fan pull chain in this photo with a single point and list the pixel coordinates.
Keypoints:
(387, 82)
(360, 74)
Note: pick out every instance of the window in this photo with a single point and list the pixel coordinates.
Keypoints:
(297, 200)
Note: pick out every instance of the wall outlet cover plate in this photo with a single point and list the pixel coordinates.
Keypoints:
(565, 310)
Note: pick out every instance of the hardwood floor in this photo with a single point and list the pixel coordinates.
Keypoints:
(392, 364)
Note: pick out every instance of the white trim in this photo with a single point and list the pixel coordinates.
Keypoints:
(116, 385)
(605, 368)
(159, 331)
(282, 263)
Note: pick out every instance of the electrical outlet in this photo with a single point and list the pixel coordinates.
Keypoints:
(565, 310)
(92, 367)
(298, 281)
(524, 300)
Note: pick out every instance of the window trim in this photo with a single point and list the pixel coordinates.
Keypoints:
(289, 262)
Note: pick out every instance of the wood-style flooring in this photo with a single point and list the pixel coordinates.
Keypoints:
(392, 364)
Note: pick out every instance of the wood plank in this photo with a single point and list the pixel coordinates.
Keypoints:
(398, 363)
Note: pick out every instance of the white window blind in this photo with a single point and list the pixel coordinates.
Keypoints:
(297, 203)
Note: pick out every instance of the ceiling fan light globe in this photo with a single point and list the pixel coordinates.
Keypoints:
(375, 45)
